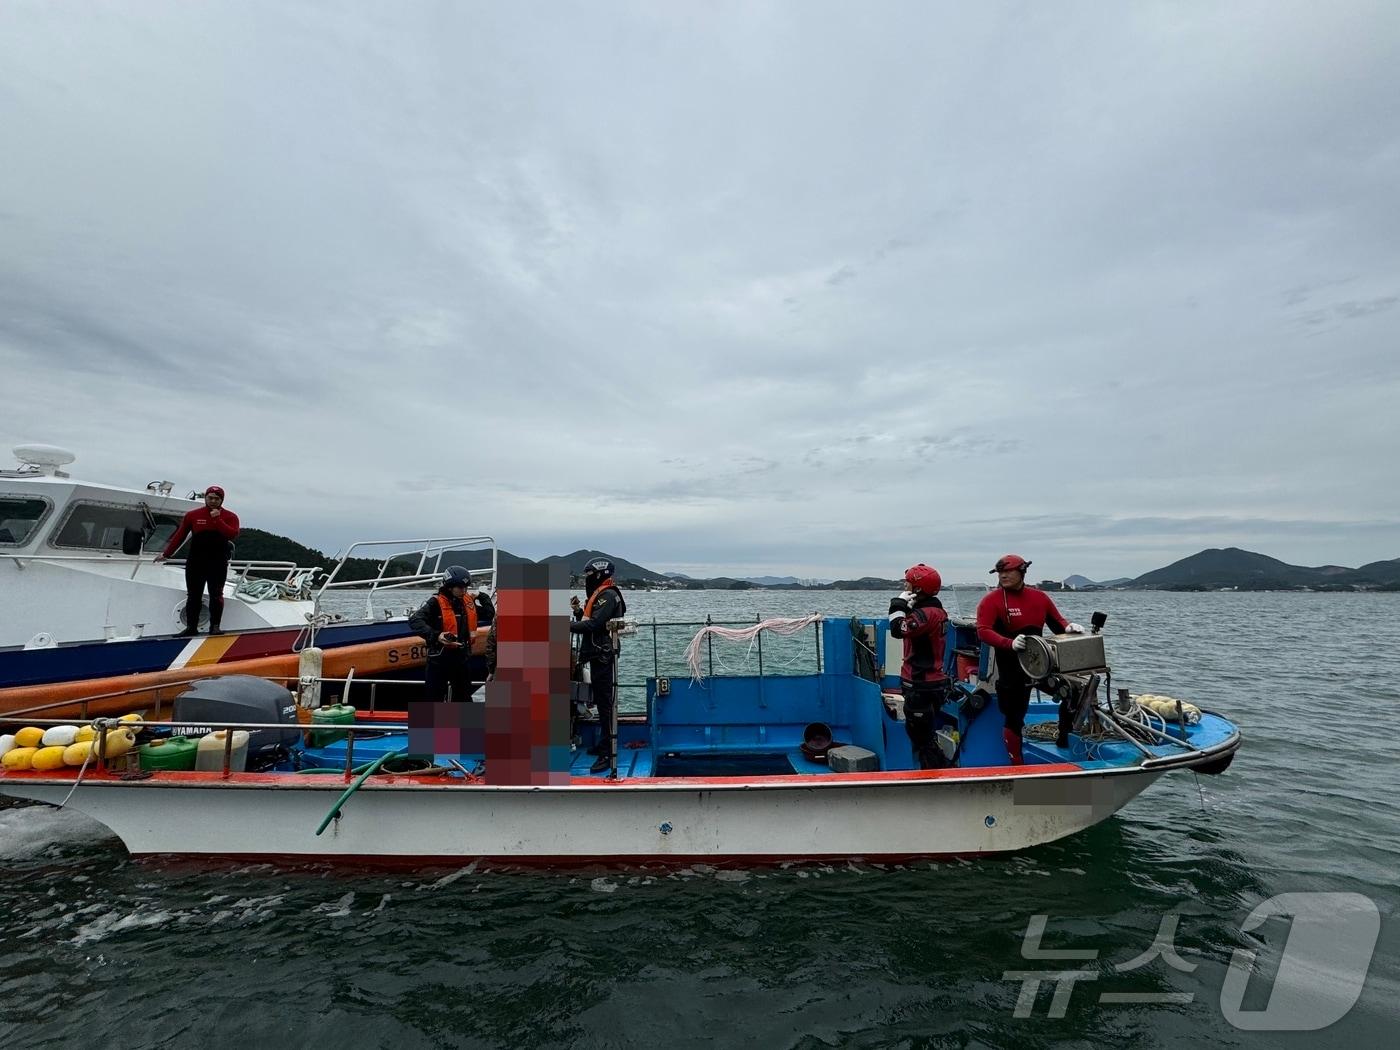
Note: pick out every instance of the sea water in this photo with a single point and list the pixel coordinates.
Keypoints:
(804, 955)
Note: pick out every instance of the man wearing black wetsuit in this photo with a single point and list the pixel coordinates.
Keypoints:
(1004, 617)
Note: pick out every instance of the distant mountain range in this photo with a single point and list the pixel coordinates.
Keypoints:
(1229, 568)
(760, 581)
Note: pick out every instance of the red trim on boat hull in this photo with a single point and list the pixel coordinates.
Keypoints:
(203, 779)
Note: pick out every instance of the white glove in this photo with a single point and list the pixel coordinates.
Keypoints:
(1018, 643)
(908, 596)
(1073, 628)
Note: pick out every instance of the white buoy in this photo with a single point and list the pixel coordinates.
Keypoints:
(309, 665)
(59, 736)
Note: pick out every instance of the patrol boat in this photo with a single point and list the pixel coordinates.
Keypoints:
(746, 769)
(90, 620)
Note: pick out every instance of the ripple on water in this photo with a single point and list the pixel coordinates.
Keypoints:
(795, 955)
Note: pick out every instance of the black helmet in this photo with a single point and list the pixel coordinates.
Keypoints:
(456, 576)
(596, 571)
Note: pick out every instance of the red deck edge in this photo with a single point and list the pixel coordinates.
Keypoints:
(202, 778)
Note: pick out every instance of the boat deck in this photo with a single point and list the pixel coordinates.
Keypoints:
(638, 759)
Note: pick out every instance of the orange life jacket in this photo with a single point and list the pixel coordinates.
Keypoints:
(588, 605)
(449, 618)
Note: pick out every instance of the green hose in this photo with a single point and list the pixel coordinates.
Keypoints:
(335, 810)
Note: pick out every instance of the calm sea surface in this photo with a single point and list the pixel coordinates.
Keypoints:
(98, 950)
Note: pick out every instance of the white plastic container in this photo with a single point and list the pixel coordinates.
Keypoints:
(210, 755)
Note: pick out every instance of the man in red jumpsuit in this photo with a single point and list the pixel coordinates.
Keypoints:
(212, 530)
(1004, 617)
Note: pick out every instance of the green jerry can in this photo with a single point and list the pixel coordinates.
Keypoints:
(176, 752)
(335, 715)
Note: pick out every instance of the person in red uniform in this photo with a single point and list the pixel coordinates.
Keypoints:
(212, 530)
(917, 617)
(1004, 617)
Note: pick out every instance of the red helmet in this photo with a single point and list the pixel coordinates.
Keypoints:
(1011, 561)
(923, 578)
(214, 490)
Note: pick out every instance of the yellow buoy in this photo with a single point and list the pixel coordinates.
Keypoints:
(119, 742)
(47, 758)
(29, 736)
(85, 733)
(19, 758)
(135, 716)
(77, 754)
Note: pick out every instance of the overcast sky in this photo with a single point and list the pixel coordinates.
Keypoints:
(744, 288)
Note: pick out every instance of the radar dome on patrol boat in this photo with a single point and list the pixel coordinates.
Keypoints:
(48, 458)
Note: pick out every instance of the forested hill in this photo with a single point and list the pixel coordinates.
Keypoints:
(1231, 567)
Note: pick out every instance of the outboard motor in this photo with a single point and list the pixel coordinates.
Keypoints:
(241, 698)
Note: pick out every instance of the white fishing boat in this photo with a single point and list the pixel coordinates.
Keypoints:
(745, 769)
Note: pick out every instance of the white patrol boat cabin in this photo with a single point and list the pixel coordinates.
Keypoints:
(77, 562)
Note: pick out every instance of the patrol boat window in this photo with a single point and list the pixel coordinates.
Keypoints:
(19, 517)
(99, 526)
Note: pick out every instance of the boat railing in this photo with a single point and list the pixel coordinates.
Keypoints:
(428, 570)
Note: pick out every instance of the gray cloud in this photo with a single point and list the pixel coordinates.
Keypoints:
(774, 287)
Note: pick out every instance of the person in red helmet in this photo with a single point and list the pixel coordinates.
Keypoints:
(1004, 617)
(918, 617)
(212, 530)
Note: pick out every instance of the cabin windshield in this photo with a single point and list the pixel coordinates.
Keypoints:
(99, 526)
(19, 517)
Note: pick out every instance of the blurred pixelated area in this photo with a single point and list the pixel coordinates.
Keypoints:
(522, 728)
